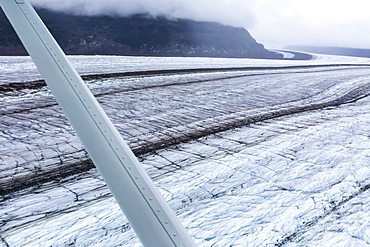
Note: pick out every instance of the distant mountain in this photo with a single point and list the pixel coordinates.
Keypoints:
(139, 35)
(342, 51)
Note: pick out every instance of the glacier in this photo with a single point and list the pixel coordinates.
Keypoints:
(297, 175)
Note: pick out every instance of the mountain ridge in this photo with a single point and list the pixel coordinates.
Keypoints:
(139, 35)
(332, 50)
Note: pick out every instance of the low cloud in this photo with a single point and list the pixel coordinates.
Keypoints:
(314, 22)
(273, 23)
(228, 12)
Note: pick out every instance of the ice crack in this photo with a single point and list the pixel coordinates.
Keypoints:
(308, 225)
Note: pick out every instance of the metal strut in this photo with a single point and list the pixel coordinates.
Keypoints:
(149, 214)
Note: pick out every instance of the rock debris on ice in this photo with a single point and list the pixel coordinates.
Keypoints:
(296, 180)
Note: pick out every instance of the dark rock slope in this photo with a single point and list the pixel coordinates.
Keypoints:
(139, 35)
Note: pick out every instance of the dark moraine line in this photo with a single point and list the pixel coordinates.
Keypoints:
(204, 128)
(13, 88)
(16, 86)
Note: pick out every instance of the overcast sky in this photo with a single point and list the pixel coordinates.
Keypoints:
(275, 23)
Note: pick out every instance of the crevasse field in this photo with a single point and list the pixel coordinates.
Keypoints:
(247, 152)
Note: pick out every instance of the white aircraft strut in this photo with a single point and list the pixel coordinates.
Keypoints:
(149, 214)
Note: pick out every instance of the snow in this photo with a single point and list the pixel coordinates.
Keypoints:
(296, 180)
(20, 69)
